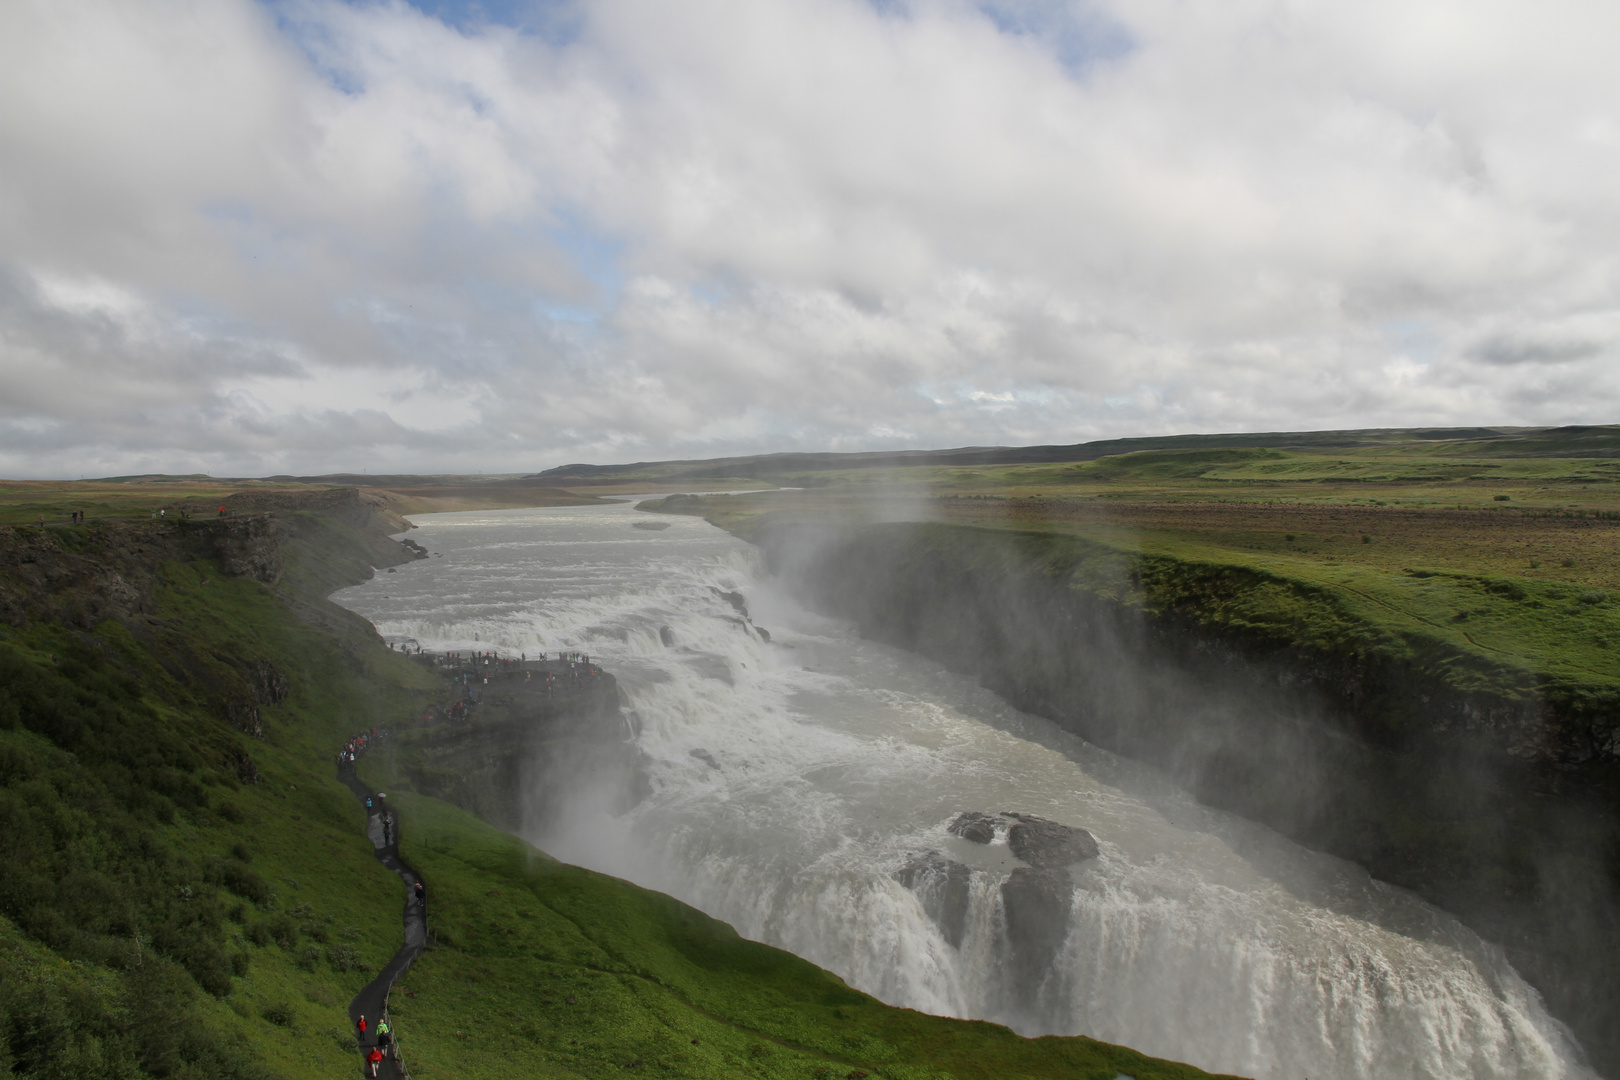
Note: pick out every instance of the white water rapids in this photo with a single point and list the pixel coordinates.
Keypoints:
(1195, 935)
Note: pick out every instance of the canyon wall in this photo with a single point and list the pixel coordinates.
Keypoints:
(516, 762)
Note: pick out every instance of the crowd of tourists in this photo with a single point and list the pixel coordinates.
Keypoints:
(381, 1038)
(473, 672)
(357, 746)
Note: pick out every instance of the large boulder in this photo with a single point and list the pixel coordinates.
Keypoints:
(735, 599)
(1041, 843)
(975, 826)
(1036, 905)
(941, 886)
(1049, 844)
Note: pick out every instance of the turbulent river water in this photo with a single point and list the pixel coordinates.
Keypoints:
(792, 778)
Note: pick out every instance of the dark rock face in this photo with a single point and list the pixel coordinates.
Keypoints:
(246, 770)
(270, 686)
(1047, 844)
(1037, 841)
(764, 634)
(525, 759)
(735, 599)
(248, 546)
(973, 825)
(244, 716)
(667, 636)
(941, 885)
(705, 757)
(1036, 905)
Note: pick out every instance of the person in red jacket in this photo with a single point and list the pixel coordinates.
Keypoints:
(361, 1024)
(374, 1059)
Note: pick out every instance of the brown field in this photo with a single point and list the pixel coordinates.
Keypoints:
(1582, 550)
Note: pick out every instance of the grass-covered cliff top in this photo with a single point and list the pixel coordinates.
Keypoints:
(1495, 561)
(28, 502)
(186, 891)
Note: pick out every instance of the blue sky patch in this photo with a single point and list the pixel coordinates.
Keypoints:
(1081, 34)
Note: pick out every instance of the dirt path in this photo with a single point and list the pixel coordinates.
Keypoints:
(372, 1002)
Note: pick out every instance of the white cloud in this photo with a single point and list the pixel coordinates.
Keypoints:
(264, 238)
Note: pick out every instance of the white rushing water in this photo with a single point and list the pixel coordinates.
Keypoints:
(826, 760)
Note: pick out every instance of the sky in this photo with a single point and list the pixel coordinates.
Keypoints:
(249, 237)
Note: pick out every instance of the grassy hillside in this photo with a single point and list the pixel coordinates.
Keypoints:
(183, 897)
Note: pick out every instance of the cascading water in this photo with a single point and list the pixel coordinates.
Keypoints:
(792, 779)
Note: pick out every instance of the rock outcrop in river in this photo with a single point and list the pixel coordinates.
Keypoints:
(1036, 899)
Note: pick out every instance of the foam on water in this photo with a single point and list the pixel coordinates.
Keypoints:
(828, 760)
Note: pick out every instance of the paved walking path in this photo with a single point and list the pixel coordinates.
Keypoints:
(372, 1002)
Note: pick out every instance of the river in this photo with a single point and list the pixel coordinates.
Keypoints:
(792, 778)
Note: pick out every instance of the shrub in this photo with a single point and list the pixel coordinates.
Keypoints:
(239, 880)
(283, 932)
(346, 958)
(280, 1014)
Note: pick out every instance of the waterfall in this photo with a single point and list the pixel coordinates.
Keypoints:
(797, 773)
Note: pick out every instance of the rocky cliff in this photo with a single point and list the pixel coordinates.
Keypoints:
(524, 755)
(1497, 804)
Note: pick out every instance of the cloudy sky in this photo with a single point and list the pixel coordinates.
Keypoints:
(258, 236)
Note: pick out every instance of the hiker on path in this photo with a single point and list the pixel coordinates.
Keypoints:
(361, 1024)
(383, 1036)
(374, 1060)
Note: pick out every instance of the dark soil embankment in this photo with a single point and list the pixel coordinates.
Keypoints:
(1498, 806)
